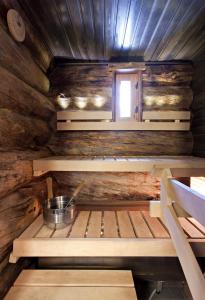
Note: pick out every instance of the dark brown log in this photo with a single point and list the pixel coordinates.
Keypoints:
(108, 187)
(83, 81)
(166, 87)
(167, 98)
(17, 131)
(17, 211)
(130, 143)
(88, 75)
(198, 107)
(33, 41)
(16, 215)
(16, 169)
(168, 75)
(20, 97)
(17, 59)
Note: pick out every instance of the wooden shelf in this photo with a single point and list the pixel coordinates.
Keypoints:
(105, 234)
(180, 166)
(120, 125)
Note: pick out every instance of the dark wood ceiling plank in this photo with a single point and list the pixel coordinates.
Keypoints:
(75, 12)
(178, 35)
(67, 29)
(194, 31)
(46, 20)
(132, 23)
(121, 25)
(89, 31)
(195, 40)
(98, 18)
(160, 31)
(109, 26)
(155, 14)
(101, 29)
(143, 17)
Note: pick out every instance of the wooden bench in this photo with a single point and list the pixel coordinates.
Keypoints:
(181, 166)
(73, 284)
(117, 233)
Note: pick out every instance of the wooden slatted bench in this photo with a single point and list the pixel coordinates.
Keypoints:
(105, 234)
(182, 166)
(73, 284)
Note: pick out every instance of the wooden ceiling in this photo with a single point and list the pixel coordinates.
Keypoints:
(153, 30)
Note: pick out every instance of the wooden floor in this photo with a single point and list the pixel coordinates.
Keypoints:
(73, 284)
(105, 233)
(181, 165)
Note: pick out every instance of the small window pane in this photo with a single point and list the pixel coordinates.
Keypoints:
(125, 99)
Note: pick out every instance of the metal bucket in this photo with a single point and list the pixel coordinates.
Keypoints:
(58, 212)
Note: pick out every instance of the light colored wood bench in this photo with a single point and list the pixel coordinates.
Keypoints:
(73, 284)
(184, 166)
(105, 234)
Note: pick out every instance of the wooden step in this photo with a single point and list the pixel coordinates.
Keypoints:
(73, 284)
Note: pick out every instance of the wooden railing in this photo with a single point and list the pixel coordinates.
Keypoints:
(174, 192)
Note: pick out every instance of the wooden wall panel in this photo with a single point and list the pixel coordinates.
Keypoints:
(24, 66)
(165, 87)
(20, 97)
(16, 169)
(198, 110)
(126, 143)
(27, 121)
(108, 187)
(168, 75)
(17, 131)
(167, 98)
(33, 41)
(83, 81)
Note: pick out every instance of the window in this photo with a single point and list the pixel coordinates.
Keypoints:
(127, 97)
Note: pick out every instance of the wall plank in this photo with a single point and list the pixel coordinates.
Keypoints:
(33, 41)
(83, 81)
(121, 143)
(168, 75)
(198, 110)
(167, 98)
(18, 60)
(165, 87)
(16, 169)
(27, 121)
(108, 187)
(22, 98)
(17, 131)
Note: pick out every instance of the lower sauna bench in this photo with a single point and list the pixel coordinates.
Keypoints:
(112, 233)
(73, 284)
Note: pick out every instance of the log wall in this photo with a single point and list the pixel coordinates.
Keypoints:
(165, 87)
(27, 122)
(198, 109)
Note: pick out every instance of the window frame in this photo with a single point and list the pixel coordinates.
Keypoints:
(135, 78)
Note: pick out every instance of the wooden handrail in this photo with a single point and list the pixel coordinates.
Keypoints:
(191, 269)
(190, 200)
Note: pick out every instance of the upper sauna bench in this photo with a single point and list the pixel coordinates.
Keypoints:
(184, 166)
